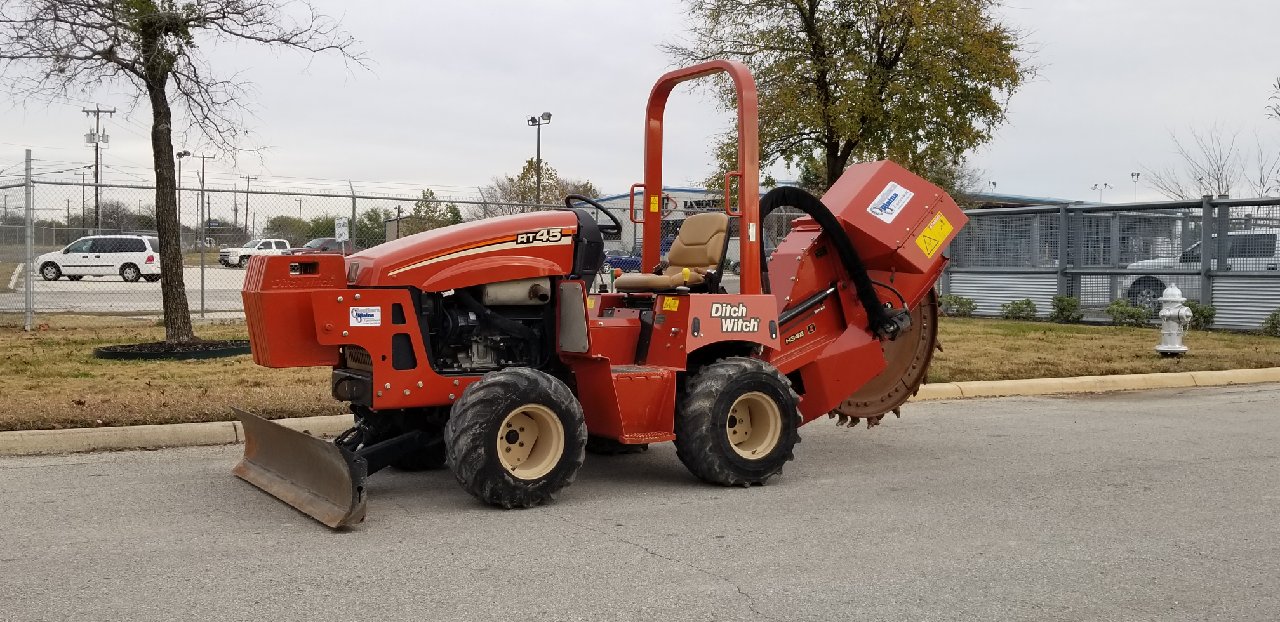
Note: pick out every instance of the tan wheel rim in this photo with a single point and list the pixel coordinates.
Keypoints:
(754, 425)
(530, 441)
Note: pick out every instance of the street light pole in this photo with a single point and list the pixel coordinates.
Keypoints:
(538, 122)
(1100, 187)
(1134, 177)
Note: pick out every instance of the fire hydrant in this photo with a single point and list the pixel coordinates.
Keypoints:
(1173, 322)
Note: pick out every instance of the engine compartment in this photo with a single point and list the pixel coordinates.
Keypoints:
(489, 327)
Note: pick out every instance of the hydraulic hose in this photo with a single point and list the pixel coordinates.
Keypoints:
(878, 318)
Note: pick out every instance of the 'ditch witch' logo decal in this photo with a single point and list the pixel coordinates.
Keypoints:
(733, 318)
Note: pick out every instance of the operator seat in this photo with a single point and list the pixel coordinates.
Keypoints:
(699, 246)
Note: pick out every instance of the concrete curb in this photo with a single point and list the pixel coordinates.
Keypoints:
(13, 278)
(76, 440)
(1095, 384)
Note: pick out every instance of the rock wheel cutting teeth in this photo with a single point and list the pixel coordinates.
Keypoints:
(907, 361)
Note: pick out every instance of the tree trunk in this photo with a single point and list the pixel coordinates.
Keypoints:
(177, 315)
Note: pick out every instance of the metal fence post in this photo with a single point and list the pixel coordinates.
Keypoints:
(1207, 250)
(1064, 242)
(30, 299)
(1113, 281)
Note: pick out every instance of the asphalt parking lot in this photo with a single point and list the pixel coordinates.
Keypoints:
(1136, 506)
(110, 294)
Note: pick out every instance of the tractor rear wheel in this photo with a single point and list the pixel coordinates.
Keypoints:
(515, 438)
(736, 424)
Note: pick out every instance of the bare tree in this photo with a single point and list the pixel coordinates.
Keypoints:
(1263, 175)
(516, 194)
(56, 48)
(1273, 110)
(1210, 164)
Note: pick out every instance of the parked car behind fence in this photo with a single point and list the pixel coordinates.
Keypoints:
(131, 257)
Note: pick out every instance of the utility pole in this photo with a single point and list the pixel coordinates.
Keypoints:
(247, 179)
(299, 200)
(96, 138)
(83, 203)
(68, 219)
(1134, 177)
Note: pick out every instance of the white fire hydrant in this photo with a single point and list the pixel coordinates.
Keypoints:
(1173, 322)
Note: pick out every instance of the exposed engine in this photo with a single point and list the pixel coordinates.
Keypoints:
(489, 327)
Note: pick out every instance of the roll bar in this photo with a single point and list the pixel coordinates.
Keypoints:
(747, 173)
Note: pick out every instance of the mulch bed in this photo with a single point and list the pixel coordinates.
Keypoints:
(199, 349)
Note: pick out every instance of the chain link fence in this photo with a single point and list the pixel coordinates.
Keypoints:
(70, 274)
(1220, 252)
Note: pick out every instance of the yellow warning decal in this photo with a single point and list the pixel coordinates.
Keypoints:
(591, 302)
(653, 203)
(934, 235)
(670, 304)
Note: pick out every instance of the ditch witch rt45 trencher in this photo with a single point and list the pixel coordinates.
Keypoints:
(482, 346)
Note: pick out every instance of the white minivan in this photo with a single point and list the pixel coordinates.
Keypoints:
(131, 257)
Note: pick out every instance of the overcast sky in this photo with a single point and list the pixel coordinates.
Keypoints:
(450, 86)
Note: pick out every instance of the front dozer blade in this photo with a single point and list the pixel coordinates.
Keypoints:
(320, 479)
(907, 361)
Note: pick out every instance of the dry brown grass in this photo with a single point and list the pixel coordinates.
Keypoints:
(49, 378)
(978, 349)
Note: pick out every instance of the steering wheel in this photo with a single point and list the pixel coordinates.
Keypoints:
(613, 229)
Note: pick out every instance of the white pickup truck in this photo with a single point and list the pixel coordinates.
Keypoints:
(238, 257)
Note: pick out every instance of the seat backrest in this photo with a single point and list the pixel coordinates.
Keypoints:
(700, 243)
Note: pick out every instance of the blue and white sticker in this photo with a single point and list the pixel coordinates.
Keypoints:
(366, 316)
(890, 202)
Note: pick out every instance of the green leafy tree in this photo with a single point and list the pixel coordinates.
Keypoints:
(319, 227)
(920, 82)
(429, 213)
(291, 228)
(370, 227)
(155, 49)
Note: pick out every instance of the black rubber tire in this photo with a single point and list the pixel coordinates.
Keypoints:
(702, 416)
(1144, 292)
(242, 262)
(471, 433)
(151, 278)
(602, 446)
(130, 273)
(50, 271)
(75, 278)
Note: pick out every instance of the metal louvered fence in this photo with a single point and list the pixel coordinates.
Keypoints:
(1221, 252)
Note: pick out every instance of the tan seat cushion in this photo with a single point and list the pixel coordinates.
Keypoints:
(656, 282)
(698, 247)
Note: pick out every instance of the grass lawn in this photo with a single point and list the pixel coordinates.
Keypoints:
(51, 380)
(191, 259)
(982, 349)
